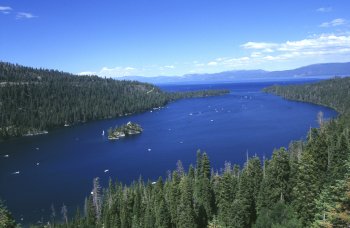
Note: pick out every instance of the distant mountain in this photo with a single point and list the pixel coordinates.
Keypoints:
(323, 69)
(226, 76)
(315, 70)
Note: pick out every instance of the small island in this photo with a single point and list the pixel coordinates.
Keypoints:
(124, 130)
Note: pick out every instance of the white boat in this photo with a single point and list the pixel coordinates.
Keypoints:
(106, 170)
(103, 133)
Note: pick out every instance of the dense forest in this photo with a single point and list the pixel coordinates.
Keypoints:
(33, 101)
(304, 185)
(334, 93)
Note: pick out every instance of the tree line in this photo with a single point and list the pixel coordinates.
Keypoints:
(33, 100)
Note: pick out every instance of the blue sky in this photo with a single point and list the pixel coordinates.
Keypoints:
(173, 37)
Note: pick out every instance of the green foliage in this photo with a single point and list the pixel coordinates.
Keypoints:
(275, 185)
(6, 219)
(33, 101)
(226, 192)
(249, 187)
(307, 188)
(280, 215)
(333, 93)
(333, 203)
(124, 130)
(185, 209)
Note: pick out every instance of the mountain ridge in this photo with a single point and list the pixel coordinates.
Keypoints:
(314, 70)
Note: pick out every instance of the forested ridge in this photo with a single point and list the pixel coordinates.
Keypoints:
(333, 93)
(33, 100)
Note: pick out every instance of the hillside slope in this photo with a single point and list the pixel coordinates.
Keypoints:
(33, 101)
(334, 93)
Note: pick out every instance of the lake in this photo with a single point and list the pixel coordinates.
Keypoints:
(58, 167)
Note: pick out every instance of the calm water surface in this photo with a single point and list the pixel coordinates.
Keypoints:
(59, 167)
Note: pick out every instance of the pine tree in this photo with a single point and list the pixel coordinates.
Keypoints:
(275, 186)
(172, 197)
(203, 192)
(249, 186)
(64, 212)
(185, 210)
(333, 203)
(226, 195)
(97, 198)
(89, 212)
(137, 211)
(280, 215)
(162, 216)
(338, 158)
(6, 219)
(306, 188)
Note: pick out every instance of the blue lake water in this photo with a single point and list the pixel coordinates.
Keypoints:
(59, 167)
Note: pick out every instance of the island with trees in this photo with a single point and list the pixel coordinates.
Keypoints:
(125, 130)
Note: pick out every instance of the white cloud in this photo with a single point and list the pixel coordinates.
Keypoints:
(124, 71)
(321, 42)
(262, 46)
(324, 47)
(258, 45)
(129, 69)
(281, 55)
(117, 71)
(5, 9)
(87, 73)
(324, 9)
(333, 23)
(212, 63)
(255, 54)
(199, 65)
(112, 72)
(235, 62)
(22, 15)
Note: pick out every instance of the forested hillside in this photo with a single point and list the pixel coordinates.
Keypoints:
(33, 101)
(305, 185)
(334, 93)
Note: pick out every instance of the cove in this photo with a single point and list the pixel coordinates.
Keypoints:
(58, 168)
